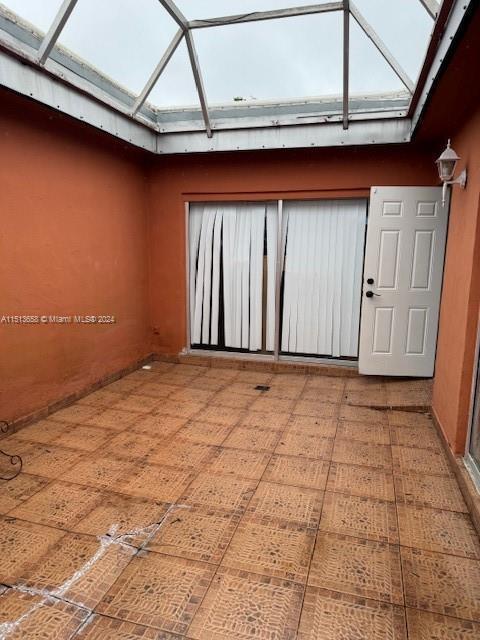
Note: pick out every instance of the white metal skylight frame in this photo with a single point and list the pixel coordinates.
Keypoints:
(43, 52)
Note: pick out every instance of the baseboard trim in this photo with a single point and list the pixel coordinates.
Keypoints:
(465, 482)
(39, 414)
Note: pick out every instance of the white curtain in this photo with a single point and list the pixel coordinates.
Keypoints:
(322, 276)
(237, 231)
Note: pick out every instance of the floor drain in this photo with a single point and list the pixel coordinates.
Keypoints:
(262, 387)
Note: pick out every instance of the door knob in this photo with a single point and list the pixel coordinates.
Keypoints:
(370, 294)
(370, 280)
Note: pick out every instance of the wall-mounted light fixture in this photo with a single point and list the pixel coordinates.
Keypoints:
(446, 164)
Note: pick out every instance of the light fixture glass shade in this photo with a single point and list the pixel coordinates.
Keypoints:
(446, 163)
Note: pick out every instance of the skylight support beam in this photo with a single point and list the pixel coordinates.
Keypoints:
(198, 81)
(177, 38)
(432, 7)
(55, 30)
(346, 60)
(265, 15)
(175, 13)
(381, 46)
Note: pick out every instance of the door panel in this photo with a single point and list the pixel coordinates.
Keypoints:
(404, 256)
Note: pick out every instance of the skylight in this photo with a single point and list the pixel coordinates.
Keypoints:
(157, 56)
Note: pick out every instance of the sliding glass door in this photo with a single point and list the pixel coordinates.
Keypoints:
(322, 277)
(473, 451)
(232, 276)
(304, 301)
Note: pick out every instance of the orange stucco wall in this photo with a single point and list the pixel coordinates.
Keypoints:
(311, 173)
(461, 294)
(72, 241)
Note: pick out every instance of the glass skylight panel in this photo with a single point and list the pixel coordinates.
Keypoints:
(369, 71)
(40, 13)
(124, 39)
(405, 27)
(281, 59)
(176, 86)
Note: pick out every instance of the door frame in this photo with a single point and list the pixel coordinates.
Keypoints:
(276, 356)
(470, 464)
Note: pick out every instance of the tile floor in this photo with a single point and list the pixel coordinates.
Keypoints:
(301, 513)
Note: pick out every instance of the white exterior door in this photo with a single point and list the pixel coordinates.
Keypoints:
(404, 255)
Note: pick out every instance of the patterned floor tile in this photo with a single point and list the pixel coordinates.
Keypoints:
(325, 382)
(15, 492)
(127, 513)
(267, 404)
(227, 398)
(241, 605)
(235, 462)
(373, 397)
(226, 375)
(138, 403)
(102, 628)
(182, 453)
(362, 414)
(178, 408)
(284, 392)
(416, 437)
(78, 413)
(72, 554)
(436, 530)
(253, 377)
(101, 398)
(158, 591)
(362, 453)
(83, 437)
(161, 483)
(359, 567)
(220, 415)
(430, 491)
(431, 626)
(220, 492)
(158, 426)
(37, 619)
(115, 419)
(276, 502)
(324, 427)
(426, 461)
(305, 445)
(409, 419)
(262, 420)
(300, 472)
(372, 433)
(61, 505)
(130, 444)
(282, 551)
(328, 615)
(332, 396)
(361, 517)
(105, 472)
(124, 386)
(252, 439)
(245, 388)
(361, 481)
(51, 461)
(44, 431)
(442, 583)
(22, 543)
(196, 534)
(192, 395)
(316, 409)
(204, 432)
(156, 390)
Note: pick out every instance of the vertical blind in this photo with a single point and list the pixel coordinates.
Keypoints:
(322, 277)
(227, 242)
(322, 254)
